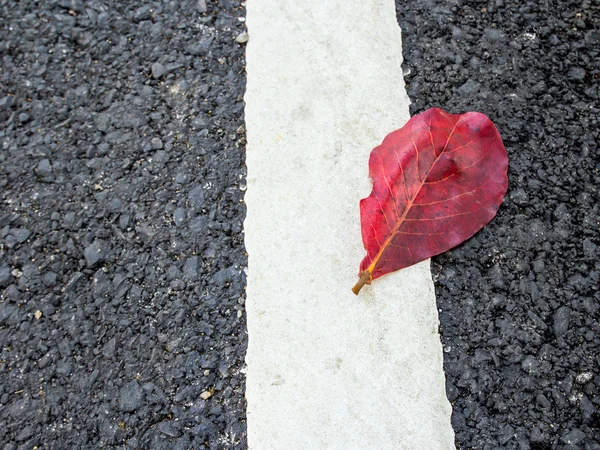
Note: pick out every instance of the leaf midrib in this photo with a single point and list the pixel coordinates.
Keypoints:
(409, 205)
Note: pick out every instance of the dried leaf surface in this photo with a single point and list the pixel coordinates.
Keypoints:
(436, 182)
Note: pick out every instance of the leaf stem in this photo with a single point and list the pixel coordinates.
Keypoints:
(365, 278)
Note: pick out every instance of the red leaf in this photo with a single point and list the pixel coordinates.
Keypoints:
(436, 182)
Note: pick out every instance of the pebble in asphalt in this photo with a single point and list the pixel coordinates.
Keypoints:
(121, 246)
(519, 303)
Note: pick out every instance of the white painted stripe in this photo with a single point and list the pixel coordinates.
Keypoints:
(326, 369)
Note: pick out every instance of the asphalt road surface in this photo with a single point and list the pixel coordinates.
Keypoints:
(121, 258)
(121, 247)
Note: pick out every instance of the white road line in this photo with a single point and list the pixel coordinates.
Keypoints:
(326, 369)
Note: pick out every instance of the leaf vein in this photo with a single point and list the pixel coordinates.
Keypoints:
(456, 196)
(391, 195)
(403, 174)
(443, 217)
(457, 172)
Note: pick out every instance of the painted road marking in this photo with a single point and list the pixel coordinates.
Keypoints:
(328, 370)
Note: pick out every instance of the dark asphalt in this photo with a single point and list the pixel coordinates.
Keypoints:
(121, 250)
(519, 302)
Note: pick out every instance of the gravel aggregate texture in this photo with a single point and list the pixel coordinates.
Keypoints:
(122, 173)
(121, 250)
(519, 303)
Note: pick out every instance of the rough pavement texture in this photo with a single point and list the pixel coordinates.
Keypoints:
(519, 302)
(121, 255)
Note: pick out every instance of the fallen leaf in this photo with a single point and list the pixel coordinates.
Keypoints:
(38, 314)
(436, 182)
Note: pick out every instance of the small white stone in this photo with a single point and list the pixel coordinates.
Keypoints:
(242, 38)
(206, 395)
(584, 377)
